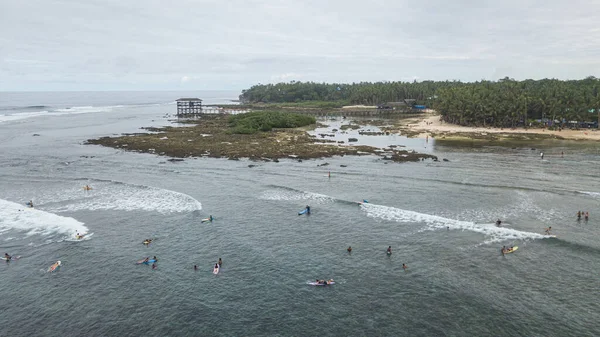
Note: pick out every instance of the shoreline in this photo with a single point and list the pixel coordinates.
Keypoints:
(430, 125)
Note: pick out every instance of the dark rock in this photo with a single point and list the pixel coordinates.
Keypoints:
(324, 164)
(334, 130)
(343, 165)
(352, 139)
(233, 158)
(299, 160)
(445, 159)
(36, 134)
(172, 160)
(251, 166)
(393, 146)
(276, 160)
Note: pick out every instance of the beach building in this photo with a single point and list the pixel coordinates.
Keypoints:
(189, 106)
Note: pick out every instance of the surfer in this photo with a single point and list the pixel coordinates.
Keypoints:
(542, 155)
(210, 218)
(498, 222)
(220, 263)
(548, 230)
(154, 266)
(155, 259)
(587, 216)
(7, 257)
(404, 266)
(30, 203)
(146, 259)
(389, 250)
(578, 215)
(87, 187)
(195, 267)
(307, 209)
(349, 249)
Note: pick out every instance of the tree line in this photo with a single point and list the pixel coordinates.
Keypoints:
(503, 103)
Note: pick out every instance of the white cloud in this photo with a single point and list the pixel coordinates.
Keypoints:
(112, 44)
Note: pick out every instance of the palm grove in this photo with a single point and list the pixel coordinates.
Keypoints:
(503, 103)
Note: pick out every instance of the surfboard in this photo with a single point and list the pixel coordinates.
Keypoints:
(320, 284)
(512, 250)
(206, 220)
(302, 211)
(54, 266)
(12, 258)
(216, 270)
(388, 253)
(146, 262)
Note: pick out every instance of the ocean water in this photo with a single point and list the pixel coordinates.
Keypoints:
(437, 216)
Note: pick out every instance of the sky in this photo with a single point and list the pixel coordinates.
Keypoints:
(63, 45)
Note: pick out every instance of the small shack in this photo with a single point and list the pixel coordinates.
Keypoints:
(189, 106)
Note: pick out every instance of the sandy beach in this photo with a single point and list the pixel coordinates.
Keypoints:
(432, 126)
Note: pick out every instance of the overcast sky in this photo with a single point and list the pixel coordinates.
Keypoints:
(231, 44)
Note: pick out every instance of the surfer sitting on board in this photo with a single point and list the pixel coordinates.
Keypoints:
(307, 209)
(7, 257)
(548, 230)
(498, 222)
(155, 259)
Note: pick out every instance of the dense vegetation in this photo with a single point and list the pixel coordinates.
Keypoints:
(505, 103)
(253, 122)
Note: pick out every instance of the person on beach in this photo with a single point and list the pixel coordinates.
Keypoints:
(349, 249)
(220, 263)
(548, 230)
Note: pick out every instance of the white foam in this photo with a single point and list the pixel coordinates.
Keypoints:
(289, 195)
(593, 194)
(490, 231)
(123, 197)
(15, 216)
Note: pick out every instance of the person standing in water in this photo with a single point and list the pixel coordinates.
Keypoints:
(389, 250)
(404, 266)
(349, 249)
(542, 155)
(587, 216)
(220, 263)
(578, 215)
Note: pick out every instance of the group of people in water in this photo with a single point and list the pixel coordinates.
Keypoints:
(585, 215)
(217, 265)
(388, 252)
(324, 282)
(147, 261)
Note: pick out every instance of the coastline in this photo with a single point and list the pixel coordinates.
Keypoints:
(430, 125)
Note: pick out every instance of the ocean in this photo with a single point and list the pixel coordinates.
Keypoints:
(438, 217)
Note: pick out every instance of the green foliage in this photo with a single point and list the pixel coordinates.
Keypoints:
(256, 121)
(505, 103)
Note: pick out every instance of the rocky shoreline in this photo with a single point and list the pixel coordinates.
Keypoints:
(210, 136)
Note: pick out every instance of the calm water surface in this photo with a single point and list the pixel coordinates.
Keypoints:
(437, 216)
